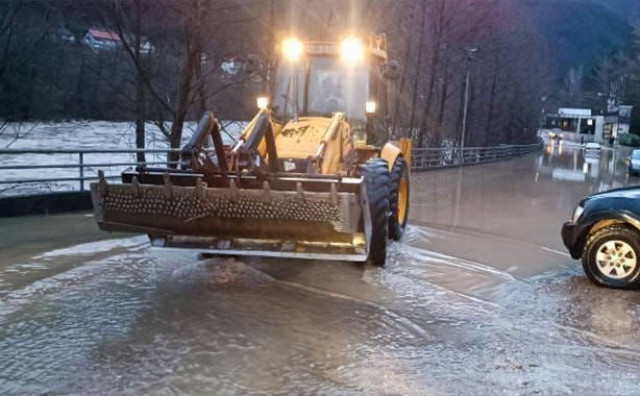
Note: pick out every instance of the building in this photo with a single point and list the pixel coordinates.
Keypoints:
(232, 66)
(582, 125)
(624, 119)
(101, 39)
(66, 35)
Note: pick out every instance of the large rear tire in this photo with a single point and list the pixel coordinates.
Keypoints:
(376, 176)
(398, 199)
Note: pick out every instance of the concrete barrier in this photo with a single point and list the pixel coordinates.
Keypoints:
(59, 202)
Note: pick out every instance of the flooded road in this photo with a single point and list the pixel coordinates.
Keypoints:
(479, 297)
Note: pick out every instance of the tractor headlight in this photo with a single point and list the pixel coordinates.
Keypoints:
(370, 107)
(352, 51)
(262, 102)
(292, 49)
(577, 212)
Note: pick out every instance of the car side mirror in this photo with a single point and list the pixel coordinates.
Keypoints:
(391, 70)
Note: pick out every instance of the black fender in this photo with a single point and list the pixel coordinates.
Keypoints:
(589, 219)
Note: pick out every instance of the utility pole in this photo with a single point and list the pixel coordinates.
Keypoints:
(416, 80)
(542, 115)
(202, 58)
(268, 77)
(140, 91)
(465, 108)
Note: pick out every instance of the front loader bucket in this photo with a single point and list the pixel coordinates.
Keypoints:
(282, 217)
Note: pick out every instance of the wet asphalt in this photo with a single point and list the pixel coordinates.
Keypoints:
(480, 297)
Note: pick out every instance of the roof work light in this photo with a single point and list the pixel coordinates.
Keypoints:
(292, 49)
(352, 51)
(370, 107)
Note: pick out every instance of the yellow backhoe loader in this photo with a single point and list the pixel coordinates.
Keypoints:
(312, 176)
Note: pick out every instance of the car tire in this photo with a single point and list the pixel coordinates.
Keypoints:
(611, 257)
(398, 199)
(376, 176)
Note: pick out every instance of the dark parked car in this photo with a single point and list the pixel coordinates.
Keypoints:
(605, 232)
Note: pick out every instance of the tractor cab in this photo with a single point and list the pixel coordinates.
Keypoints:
(321, 88)
(319, 79)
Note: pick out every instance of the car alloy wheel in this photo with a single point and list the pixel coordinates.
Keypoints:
(616, 259)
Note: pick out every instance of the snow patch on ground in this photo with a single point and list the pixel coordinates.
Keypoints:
(93, 248)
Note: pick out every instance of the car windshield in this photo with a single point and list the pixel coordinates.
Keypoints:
(329, 86)
(635, 154)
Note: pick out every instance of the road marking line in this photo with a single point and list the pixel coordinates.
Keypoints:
(565, 254)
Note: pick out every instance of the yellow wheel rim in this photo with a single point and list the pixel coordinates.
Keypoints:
(403, 200)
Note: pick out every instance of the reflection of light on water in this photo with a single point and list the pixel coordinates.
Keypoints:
(613, 162)
(594, 166)
(571, 163)
(550, 147)
(567, 174)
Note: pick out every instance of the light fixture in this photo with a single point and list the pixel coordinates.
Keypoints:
(589, 122)
(370, 107)
(262, 102)
(352, 51)
(292, 49)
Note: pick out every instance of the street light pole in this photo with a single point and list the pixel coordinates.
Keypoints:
(470, 53)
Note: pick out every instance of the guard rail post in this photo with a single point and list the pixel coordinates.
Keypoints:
(81, 162)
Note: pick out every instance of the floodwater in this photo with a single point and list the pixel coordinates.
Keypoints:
(479, 298)
(80, 135)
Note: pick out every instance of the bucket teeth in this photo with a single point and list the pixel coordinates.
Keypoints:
(136, 187)
(266, 187)
(200, 187)
(102, 183)
(233, 189)
(334, 194)
(168, 188)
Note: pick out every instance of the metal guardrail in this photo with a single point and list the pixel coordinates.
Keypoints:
(430, 158)
(69, 174)
(66, 175)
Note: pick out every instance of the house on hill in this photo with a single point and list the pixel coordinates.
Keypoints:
(101, 39)
(66, 35)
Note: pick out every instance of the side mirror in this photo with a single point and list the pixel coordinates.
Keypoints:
(391, 70)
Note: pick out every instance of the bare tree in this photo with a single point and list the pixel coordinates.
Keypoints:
(185, 54)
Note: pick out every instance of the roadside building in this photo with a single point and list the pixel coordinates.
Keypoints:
(583, 125)
(624, 119)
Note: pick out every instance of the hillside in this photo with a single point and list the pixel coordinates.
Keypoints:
(579, 32)
(626, 9)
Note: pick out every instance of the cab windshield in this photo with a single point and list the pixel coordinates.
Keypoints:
(325, 85)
